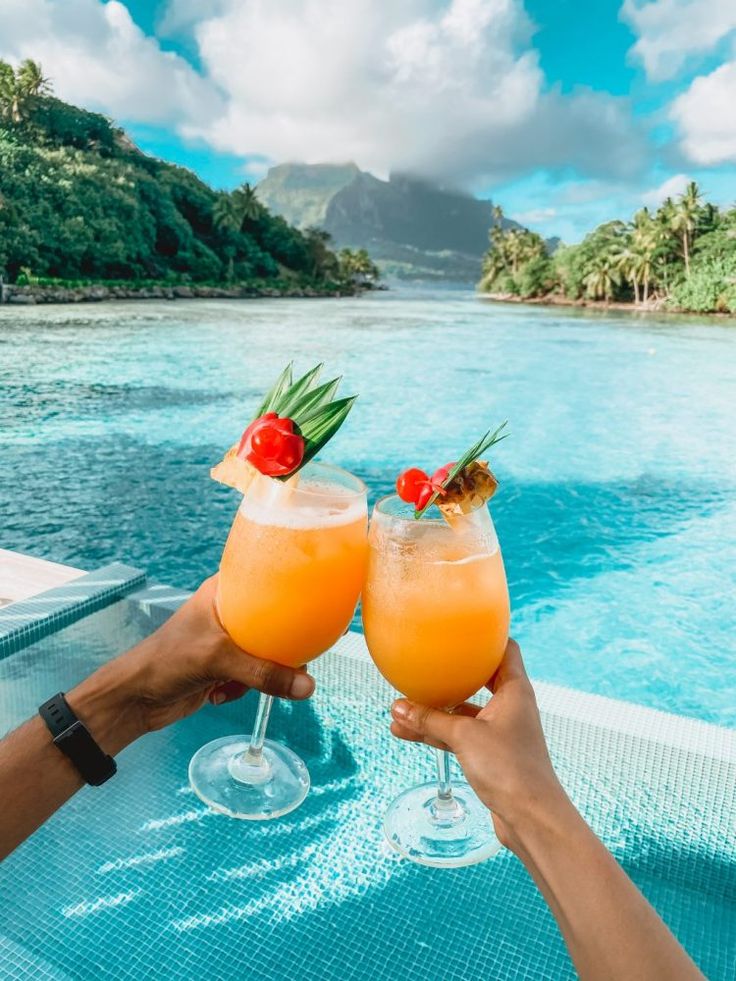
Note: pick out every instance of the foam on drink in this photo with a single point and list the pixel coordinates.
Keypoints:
(301, 504)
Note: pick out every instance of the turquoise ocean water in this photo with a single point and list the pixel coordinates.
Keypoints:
(616, 511)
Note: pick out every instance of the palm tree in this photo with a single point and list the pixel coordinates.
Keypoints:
(324, 261)
(31, 79)
(494, 263)
(357, 266)
(684, 217)
(247, 203)
(19, 88)
(647, 244)
(348, 263)
(511, 249)
(365, 266)
(601, 278)
(626, 262)
(224, 212)
(238, 209)
(516, 249)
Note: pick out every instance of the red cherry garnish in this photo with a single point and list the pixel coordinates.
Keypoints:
(441, 474)
(249, 431)
(425, 492)
(409, 484)
(272, 446)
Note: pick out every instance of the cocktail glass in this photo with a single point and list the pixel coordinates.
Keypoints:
(290, 577)
(436, 619)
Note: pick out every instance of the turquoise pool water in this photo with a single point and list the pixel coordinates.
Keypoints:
(616, 511)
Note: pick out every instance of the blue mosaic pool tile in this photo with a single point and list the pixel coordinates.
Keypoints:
(27, 621)
(140, 880)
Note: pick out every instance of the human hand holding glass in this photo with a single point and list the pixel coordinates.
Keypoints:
(500, 746)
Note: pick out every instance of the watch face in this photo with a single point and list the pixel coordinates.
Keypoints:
(77, 743)
(73, 737)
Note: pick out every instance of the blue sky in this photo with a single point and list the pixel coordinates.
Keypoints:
(566, 113)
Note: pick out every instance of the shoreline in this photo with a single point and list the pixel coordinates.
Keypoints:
(618, 306)
(41, 295)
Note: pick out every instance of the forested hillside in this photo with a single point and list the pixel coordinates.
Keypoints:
(79, 202)
(681, 257)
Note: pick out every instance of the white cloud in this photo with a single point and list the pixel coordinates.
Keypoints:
(448, 88)
(535, 216)
(706, 117)
(667, 189)
(99, 58)
(671, 31)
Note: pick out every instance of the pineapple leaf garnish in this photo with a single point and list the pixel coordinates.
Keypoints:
(475, 452)
(321, 425)
(315, 399)
(312, 407)
(282, 384)
(286, 404)
(294, 422)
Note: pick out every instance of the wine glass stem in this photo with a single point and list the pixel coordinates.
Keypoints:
(444, 786)
(445, 810)
(254, 753)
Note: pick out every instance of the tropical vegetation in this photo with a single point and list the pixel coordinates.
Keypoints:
(680, 256)
(80, 203)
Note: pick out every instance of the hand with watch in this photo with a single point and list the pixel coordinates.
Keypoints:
(168, 676)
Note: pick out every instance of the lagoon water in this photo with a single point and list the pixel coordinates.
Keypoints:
(617, 506)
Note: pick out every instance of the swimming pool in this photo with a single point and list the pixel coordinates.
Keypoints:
(616, 511)
(137, 879)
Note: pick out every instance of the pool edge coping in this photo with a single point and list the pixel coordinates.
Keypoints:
(29, 620)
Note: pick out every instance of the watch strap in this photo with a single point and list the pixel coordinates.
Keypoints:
(75, 740)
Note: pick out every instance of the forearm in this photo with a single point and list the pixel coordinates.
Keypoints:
(610, 929)
(36, 778)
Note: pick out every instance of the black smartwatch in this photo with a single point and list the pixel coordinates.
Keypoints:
(75, 740)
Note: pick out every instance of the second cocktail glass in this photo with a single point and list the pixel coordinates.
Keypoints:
(436, 618)
(290, 577)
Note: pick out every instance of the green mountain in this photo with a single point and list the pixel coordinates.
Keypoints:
(412, 228)
(302, 193)
(78, 201)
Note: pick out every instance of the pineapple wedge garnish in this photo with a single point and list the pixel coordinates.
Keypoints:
(469, 490)
(233, 471)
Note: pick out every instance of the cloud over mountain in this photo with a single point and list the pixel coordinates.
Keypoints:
(447, 88)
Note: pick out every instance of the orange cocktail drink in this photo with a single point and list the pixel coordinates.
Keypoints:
(290, 577)
(293, 566)
(435, 606)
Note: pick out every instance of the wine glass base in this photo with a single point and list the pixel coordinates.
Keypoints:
(441, 837)
(221, 776)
